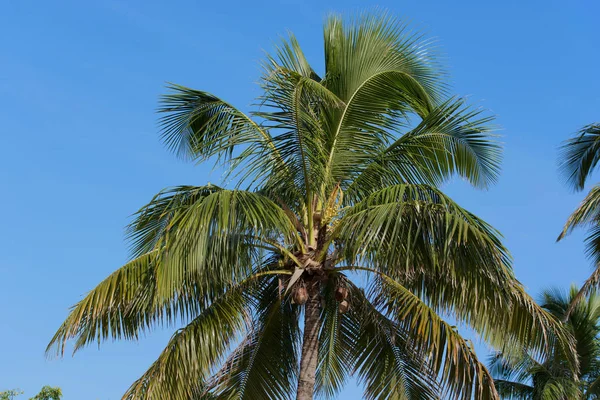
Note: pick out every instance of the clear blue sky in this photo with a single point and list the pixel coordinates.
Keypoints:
(79, 83)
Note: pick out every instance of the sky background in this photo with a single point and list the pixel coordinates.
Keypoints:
(79, 151)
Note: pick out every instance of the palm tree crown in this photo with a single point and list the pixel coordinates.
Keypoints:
(579, 158)
(335, 174)
(527, 377)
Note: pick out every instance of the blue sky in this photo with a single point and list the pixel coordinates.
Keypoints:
(79, 83)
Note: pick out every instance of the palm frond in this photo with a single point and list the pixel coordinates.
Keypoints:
(386, 362)
(551, 375)
(337, 342)
(121, 306)
(198, 124)
(294, 106)
(561, 388)
(452, 138)
(450, 356)
(297, 107)
(221, 237)
(579, 156)
(204, 239)
(194, 351)
(152, 221)
(582, 315)
(382, 73)
(515, 367)
(373, 42)
(587, 214)
(514, 390)
(417, 235)
(496, 306)
(265, 364)
(593, 389)
(419, 225)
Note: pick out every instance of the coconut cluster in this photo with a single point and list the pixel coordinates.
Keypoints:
(300, 296)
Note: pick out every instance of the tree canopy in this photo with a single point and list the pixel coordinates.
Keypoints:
(528, 376)
(46, 393)
(333, 177)
(579, 158)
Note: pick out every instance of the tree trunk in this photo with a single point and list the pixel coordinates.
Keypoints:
(310, 345)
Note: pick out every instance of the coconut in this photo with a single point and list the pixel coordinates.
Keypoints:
(344, 306)
(341, 293)
(300, 295)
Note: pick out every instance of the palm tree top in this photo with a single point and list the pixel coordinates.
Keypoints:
(373, 65)
(527, 376)
(579, 157)
(334, 172)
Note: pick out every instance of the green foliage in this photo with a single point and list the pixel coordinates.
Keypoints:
(523, 375)
(332, 173)
(10, 394)
(580, 155)
(579, 158)
(48, 393)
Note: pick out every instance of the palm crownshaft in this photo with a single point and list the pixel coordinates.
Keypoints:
(335, 181)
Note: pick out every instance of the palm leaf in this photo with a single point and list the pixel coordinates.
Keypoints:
(587, 215)
(337, 342)
(580, 154)
(221, 237)
(514, 390)
(152, 221)
(386, 362)
(417, 235)
(450, 356)
(381, 74)
(197, 124)
(121, 306)
(418, 225)
(193, 352)
(451, 139)
(265, 364)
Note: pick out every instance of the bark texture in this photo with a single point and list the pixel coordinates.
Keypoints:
(310, 345)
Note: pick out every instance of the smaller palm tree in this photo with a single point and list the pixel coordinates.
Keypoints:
(528, 376)
(579, 158)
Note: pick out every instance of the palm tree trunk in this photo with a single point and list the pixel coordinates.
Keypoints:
(310, 345)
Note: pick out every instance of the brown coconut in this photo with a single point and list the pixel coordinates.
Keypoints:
(344, 306)
(341, 293)
(300, 295)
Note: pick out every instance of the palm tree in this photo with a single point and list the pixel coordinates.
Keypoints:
(334, 253)
(528, 377)
(579, 157)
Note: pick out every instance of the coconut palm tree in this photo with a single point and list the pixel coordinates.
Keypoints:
(579, 158)
(333, 253)
(527, 377)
